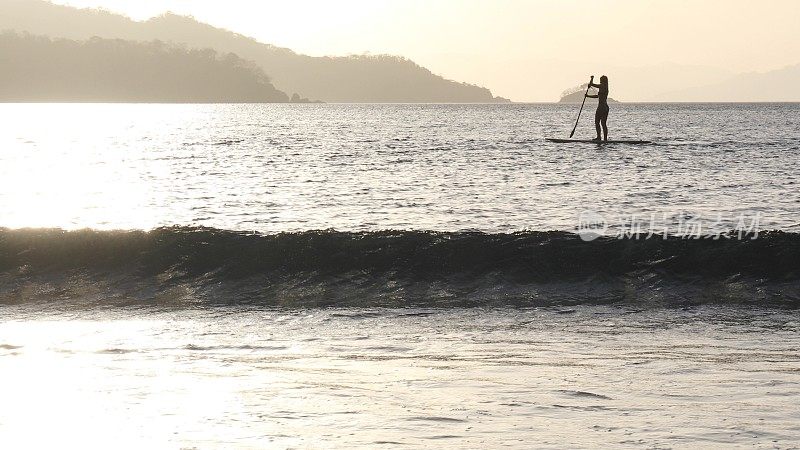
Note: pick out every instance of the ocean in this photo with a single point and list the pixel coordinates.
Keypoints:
(440, 276)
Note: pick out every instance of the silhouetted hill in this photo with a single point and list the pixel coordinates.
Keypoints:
(111, 70)
(575, 95)
(332, 79)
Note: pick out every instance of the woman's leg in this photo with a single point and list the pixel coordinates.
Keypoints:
(604, 122)
(597, 119)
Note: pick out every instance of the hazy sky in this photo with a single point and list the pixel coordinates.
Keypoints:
(506, 45)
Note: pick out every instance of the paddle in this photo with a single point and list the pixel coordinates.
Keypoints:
(591, 80)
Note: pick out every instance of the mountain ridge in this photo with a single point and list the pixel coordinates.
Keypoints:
(357, 79)
(768, 86)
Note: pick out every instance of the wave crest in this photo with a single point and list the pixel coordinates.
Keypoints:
(186, 265)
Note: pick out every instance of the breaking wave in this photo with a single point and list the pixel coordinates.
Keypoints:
(204, 266)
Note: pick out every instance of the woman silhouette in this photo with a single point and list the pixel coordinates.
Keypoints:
(601, 116)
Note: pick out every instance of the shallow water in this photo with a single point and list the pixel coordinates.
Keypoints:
(341, 378)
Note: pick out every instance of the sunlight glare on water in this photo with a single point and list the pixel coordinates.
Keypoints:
(364, 167)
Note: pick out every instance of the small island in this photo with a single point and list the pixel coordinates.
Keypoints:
(575, 95)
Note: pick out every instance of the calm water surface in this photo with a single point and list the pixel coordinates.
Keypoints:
(370, 167)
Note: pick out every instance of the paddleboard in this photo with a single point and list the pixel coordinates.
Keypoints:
(591, 141)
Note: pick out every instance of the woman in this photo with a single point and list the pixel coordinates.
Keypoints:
(601, 116)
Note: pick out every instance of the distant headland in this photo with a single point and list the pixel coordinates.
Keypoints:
(40, 69)
(351, 79)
